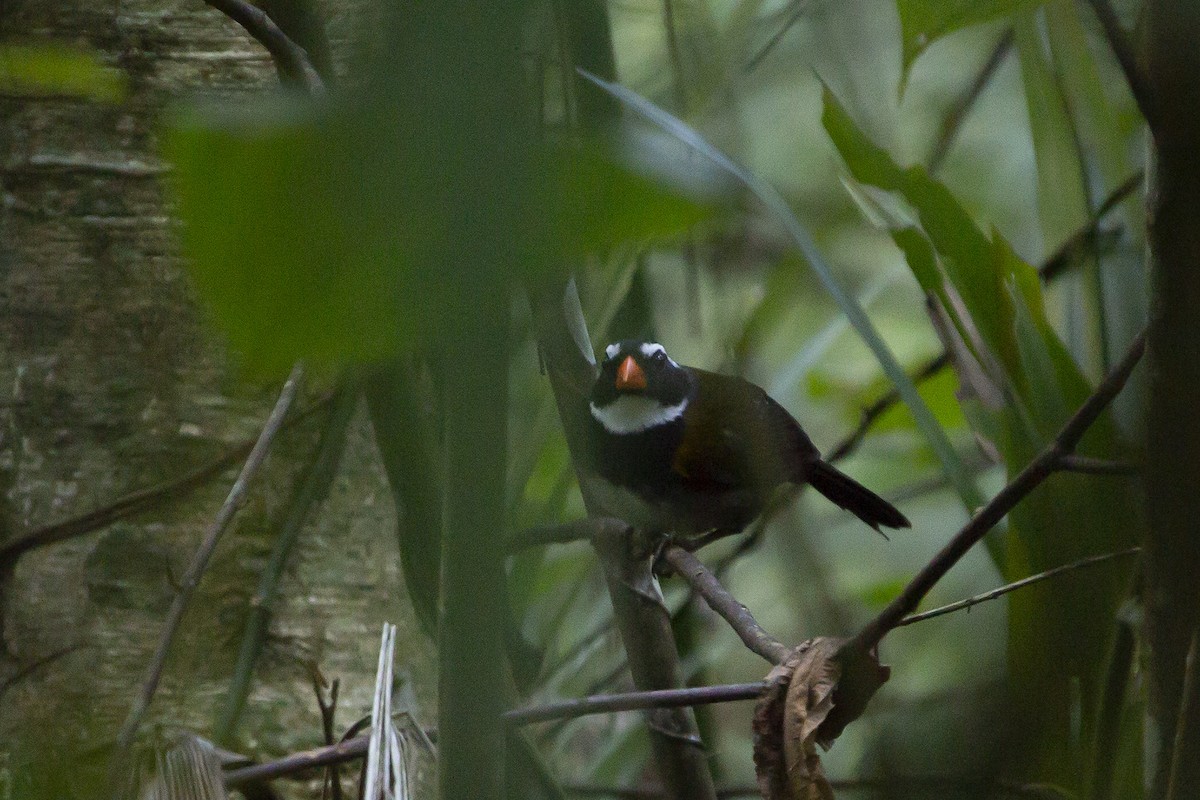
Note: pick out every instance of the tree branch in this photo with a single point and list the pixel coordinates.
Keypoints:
(290, 58)
(1087, 465)
(139, 501)
(721, 601)
(318, 757)
(952, 123)
(311, 489)
(191, 578)
(635, 701)
(1135, 76)
(1187, 722)
(1012, 587)
(1025, 482)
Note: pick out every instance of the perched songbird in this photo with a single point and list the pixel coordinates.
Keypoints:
(682, 450)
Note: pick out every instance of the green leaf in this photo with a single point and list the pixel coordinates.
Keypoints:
(1062, 201)
(292, 238)
(965, 254)
(318, 235)
(56, 70)
(591, 202)
(922, 22)
(939, 392)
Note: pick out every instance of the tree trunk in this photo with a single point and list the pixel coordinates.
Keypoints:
(1172, 547)
(112, 382)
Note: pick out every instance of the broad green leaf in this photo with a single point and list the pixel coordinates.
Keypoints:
(294, 240)
(921, 258)
(965, 254)
(57, 70)
(590, 202)
(938, 391)
(922, 22)
(1062, 201)
(318, 235)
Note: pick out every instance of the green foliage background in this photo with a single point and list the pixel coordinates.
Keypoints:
(314, 235)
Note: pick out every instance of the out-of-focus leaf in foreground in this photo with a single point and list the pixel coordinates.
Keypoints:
(923, 22)
(314, 233)
(58, 70)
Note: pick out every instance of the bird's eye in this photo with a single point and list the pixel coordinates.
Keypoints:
(660, 357)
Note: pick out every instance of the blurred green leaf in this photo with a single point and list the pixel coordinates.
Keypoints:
(292, 235)
(879, 594)
(590, 202)
(923, 22)
(316, 235)
(939, 392)
(57, 70)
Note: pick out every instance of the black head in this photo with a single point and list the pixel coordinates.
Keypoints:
(644, 369)
(639, 387)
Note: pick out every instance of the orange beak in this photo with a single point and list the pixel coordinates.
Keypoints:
(630, 375)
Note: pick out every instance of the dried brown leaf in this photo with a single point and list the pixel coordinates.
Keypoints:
(798, 698)
(821, 688)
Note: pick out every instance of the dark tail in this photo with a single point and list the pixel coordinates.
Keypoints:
(853, 496)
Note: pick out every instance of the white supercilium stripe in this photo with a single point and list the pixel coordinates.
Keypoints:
(633, 413)
(650, 348)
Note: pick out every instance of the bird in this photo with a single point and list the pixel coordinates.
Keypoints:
(684, 452)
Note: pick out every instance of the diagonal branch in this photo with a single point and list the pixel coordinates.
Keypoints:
(725, 604)
(1122, 47)
(986, 518)
(191, 579)
(953, 121)
(138, 501)
(290, 58)
(636, 701)
(1012, 587)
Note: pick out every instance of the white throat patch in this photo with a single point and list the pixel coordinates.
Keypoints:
(633, 413)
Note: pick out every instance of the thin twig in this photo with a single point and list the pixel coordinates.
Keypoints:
(1122, 47)
(191, 579)
(356, 747)
(1089, 235)
(874, 411)
(1025, 482)
(140, 501)
(1011, 587)
(777, 37)
(333, 777)
(318, 757)
(952, 123)
(578, 530)
(1097, 466)
(1189, 718)
(290, 58)
(725, 604)
(311, 489)
(635, 701)
(26, 670)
